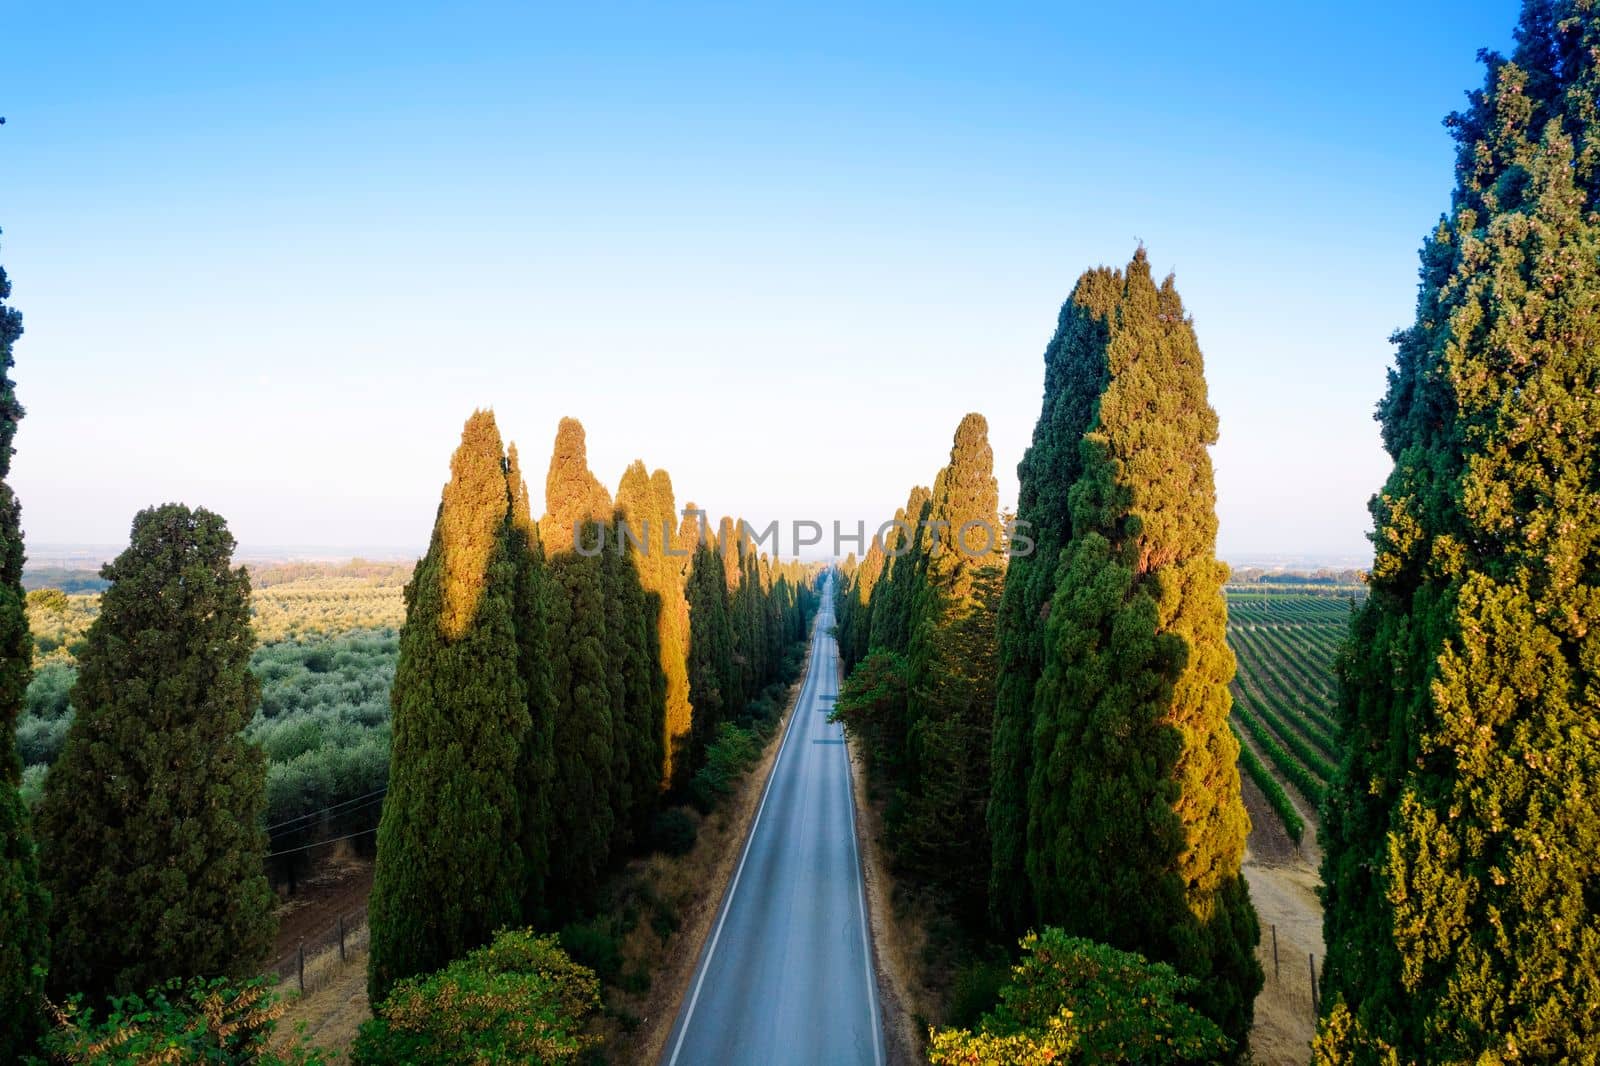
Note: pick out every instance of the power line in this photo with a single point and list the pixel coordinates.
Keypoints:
(318, 844)
(325, 810)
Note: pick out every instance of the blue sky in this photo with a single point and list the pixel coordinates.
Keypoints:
(269, 260)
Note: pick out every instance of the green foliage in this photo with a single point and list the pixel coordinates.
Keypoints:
(713, 674)
(202, 1020)
(1463, 840)
(1075, 371)
(1073, 1000)
(728, 758)
(520, 999)
(1136, 828)
(324, 719)
(673, 832)
(151, 820)
(450, 868)
(872, 706)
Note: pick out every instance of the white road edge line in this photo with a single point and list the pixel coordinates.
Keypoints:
(727, 904)
(861, 902)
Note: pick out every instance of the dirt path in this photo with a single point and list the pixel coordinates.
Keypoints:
(1283, 883)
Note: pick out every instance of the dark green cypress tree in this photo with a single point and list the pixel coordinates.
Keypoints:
(1463, 838)
(531, 612)
(906, 545)
(450, 869)
(1074, 375)
(584, 789)
(23, 904)
(637, 689)
(713, 675)
(951, 663)
(151, 824)
(1136, 828)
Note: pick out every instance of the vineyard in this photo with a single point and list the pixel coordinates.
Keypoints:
(1286, 640)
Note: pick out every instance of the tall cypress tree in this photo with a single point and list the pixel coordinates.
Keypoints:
(1074, 375)
(584, 787)
(531, 612)
(151, 822)
(1463, 839)
(1136, 828)
(647, 505)
(23, 942)
(951, 663)
(450, 868)
(713, 675)
(637, 689)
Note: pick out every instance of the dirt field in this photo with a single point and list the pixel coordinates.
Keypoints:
(338, 886)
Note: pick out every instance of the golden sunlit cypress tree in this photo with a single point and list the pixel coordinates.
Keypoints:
(647, 506)
(151, 827)
(1074, 374)
(450, 867)
(23, 941)
(1463, 833)
(1136, 828)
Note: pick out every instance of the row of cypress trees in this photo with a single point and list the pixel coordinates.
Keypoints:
(916, 624)
(557, 679)
(1462, 862)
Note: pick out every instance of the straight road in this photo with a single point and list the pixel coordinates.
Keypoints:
(786, 974)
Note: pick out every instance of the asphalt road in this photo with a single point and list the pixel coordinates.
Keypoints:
(786, 976)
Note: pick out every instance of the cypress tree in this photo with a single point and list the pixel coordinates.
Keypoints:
(907, 546)
(713, 675)
(647, 505)
(951, 674)
(450, 868)
(1463, 838)
(23, 903)
(1075, 370)
(531, 609)
(1136, 828)
(637, 688)
(151, 823)
(583, 790)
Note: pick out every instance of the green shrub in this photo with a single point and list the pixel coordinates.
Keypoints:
(521, 999)
(728, 758)
(1073, 1000)
(210, 1021)
(594, 945)
(673, 832)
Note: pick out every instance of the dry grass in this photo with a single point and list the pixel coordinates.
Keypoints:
(899, 938)
(331, 1016)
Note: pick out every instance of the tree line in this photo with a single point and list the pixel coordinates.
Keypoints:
(558, 680)
(547, 704)
(1055, 730)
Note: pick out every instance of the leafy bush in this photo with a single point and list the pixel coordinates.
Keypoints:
(594, 945)
(1073, 1000)
(728, 758)
(673, 832)
(521, 999)
(211, 1021)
